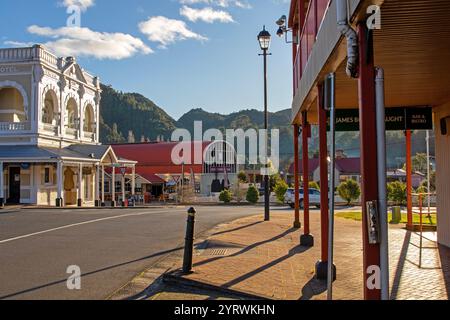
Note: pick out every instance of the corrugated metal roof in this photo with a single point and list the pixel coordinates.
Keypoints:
(25, 152)
(82, 152)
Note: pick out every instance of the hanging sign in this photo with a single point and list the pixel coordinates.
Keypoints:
(397, 119)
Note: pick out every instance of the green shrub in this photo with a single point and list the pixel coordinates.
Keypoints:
(422, 189)
(397, 192)
(314, 185)
(226, 196)
(280, 190)
(349, 191)
(252, 195)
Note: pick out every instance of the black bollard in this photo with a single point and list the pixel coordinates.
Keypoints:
(189, 241)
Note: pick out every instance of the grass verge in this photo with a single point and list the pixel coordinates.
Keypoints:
(357, 216)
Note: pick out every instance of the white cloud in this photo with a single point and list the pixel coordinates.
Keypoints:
(208, 15)
(220, 3)
(83, 4)
(75, 41)
(167, 31)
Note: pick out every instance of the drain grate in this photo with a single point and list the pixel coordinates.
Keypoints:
(217, 252)
(216, 249)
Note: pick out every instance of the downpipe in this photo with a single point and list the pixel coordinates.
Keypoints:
(381, 161)
(351, 37)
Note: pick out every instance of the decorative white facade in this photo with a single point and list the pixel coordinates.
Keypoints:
(49, 130)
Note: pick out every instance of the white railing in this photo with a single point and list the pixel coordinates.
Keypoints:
(14, 126)
(49, 128)
(23, 54)
(89, 135)
(16, 54)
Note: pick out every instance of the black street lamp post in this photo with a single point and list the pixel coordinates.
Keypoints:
(264, 38)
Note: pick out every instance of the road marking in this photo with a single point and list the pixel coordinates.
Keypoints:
(78, 224)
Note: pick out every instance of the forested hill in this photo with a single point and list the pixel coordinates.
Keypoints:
(122, 113)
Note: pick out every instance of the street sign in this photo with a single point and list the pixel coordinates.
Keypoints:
(397, 119)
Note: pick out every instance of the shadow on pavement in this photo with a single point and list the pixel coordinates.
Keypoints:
(90, 273)
(314, 287)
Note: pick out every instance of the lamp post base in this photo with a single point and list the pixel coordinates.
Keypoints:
(322, 270)
(307, 240)
(297, 225)
(80, 202)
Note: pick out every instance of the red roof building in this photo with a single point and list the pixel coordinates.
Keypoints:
(155, 159)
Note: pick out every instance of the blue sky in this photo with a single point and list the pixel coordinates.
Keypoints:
(182, 54)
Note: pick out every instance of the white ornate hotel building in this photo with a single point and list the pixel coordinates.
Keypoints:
(49, 131)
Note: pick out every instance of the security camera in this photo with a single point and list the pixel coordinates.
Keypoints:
(282, 21)
(280, 32)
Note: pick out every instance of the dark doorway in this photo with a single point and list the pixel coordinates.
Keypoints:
(14, 185)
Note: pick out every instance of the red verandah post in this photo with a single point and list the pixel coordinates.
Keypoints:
(322, 265)
(306, 239)
(297, 223)
(369, 176)
(305, 133)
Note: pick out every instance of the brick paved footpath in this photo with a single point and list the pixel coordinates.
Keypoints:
(264, 258)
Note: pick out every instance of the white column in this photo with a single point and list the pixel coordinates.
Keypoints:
(103, 185)
(133, 181)
(2, 186)
(97, 185)
(113, 186)
(80, 185)
(123, 189)
(59, 182)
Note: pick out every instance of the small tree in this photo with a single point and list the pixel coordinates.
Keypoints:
(274, 179)
(238, 191)
(252, 195)
(349, 190)
(397, 192)
(432, 181)
(242, 177)
(280, 190)
(226, 196)
(314, 185)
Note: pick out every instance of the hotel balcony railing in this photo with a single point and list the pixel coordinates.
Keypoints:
(49, 128)
(14, 126)
(89, 135)
(26, 54)
(73, 133)
(314, 16)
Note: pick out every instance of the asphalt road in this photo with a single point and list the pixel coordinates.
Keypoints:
(109, 246)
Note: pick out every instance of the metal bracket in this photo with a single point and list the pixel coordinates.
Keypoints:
(373, 221)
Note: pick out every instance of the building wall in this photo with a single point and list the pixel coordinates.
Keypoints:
(443, 174)
(207, 179)
(46, 193)
(337, 179)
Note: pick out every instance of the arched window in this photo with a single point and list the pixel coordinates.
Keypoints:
(89, 122)
(11, 105)
(72, 114)
(48, 112)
